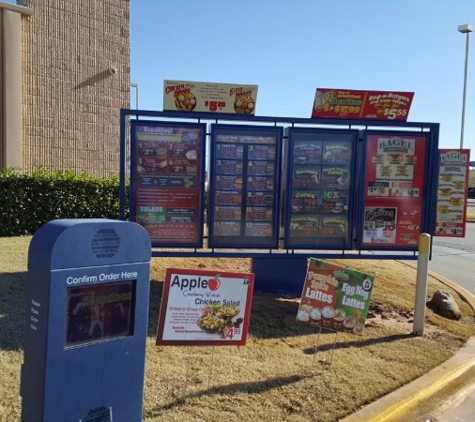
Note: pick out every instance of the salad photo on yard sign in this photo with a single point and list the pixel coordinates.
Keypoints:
(201, 307)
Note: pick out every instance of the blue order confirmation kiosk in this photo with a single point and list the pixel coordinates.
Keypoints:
(87, 297)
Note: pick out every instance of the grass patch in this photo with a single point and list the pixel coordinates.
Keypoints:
(277, 376)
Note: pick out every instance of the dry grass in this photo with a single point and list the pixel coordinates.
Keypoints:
(281, 374)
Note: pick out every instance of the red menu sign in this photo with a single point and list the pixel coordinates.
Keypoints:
(167, 181)
(452, 192)
(393, 190)
(356, 104)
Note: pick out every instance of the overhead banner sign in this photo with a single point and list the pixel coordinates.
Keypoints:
(356, 104)
(335, 298)
(209, 97)
(201, 307)
(452, 192)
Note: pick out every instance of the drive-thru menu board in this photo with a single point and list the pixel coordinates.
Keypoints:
(452, 192)
(202, 307)
(393, 189)
(167, 174)
(319, 185)
(244, 186)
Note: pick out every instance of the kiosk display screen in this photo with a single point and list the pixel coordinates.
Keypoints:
(100, 312)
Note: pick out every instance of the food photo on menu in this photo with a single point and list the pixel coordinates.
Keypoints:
(307, 152)
(336, 153)
(380, 225)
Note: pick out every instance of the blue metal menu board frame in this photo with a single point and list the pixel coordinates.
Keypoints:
(320, 185)
(245, 186)
(167, 181)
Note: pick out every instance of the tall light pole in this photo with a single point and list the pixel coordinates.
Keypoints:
(136, 86)
(465, 29)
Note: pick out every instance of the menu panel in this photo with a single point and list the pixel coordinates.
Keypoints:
(167, 174)
(452, 192)
(319, 183)
(393, 189)
(244, 186)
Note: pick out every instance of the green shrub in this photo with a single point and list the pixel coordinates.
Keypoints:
(29, 200)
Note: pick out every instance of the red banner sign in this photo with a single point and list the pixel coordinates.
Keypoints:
(355, 104)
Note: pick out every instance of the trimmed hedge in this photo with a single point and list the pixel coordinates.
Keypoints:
(27, 201)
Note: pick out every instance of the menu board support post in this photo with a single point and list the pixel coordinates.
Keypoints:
(421, 284)
(280, 274)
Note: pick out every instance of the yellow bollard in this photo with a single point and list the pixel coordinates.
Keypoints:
(421, 284)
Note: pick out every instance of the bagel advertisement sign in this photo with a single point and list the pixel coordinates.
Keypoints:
(201, 307)
(335, 297)
(209, 97)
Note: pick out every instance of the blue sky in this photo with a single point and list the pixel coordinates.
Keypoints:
(290, 48)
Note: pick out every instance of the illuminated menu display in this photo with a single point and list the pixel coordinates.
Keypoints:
(319, 186)
(244, 186)
(393, 189)
(167, 176)
(452, 192)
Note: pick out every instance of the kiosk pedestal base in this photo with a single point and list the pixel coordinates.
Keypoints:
(280, 275)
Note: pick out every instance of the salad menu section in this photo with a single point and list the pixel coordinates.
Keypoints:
(167, 176)
(319, 184)
(393, 189)
(244, 186)
(452, 188)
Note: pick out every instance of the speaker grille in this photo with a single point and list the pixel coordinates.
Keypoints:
(105, 243)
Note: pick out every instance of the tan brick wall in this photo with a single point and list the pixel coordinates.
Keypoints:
(71, 102)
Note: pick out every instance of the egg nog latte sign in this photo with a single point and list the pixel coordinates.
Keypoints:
(335, 297)
(202, 307)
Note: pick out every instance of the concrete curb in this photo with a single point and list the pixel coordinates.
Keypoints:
(413, 399)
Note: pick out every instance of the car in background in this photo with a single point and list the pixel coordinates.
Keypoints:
(471, 192)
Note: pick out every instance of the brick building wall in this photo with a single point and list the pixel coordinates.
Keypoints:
(71, 101)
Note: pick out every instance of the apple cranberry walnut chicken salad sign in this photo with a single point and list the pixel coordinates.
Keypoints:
(355, 104)
(205, 308)
(335, 297)
(452, 192)
(209, 97)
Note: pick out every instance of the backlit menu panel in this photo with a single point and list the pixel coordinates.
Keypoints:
(395, 165)
(244, 186)
(167, 172)
(319, 185)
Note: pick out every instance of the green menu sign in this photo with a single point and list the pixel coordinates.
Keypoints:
(335, 297)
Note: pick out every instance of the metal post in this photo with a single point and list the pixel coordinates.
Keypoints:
(421, 284)
(136, 86)
(464, 29)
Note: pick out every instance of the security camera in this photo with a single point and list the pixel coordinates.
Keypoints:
(112, 70)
